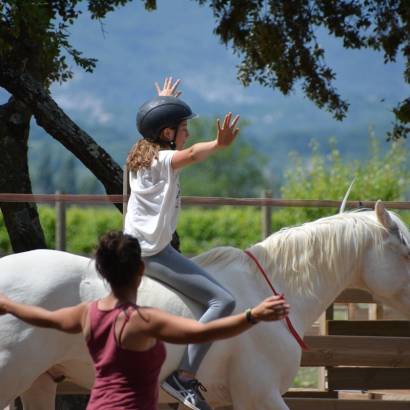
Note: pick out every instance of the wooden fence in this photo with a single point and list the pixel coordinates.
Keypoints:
(266, 203)
(371, 356)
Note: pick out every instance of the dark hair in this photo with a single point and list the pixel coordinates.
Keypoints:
(118, 258)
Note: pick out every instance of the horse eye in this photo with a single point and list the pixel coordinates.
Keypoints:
(402, 240)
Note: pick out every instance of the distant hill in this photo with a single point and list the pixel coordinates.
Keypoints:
(48, 157)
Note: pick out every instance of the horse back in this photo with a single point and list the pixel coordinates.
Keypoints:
(43, 277)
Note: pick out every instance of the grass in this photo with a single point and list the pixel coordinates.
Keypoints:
(307, 377)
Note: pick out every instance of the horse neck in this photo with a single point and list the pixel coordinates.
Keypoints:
(310, 305)
(307, 306)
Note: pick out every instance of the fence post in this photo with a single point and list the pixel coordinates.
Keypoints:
(125, 193)
(266, 215)
(324, 318)
(375, 311)
(60, 231)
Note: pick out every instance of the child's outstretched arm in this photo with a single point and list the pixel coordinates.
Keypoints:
(69, 320)
(226, 134)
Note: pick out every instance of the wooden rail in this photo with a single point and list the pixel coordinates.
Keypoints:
(393, 328)
(200, 201)
(378, 351)
(332, 404)
(266, 203)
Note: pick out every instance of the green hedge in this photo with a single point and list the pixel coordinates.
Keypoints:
(200, 229)
(84, 226)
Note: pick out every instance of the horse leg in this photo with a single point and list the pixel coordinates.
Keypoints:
(253, 387)
(7, 398)
(273, 401)
(12, 381)
(41, 395)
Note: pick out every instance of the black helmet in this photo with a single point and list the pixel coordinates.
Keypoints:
(159, 113)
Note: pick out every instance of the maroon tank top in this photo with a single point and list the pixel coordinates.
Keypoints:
(125, 379)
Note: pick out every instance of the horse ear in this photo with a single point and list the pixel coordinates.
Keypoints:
(343, 204)
(383, 216)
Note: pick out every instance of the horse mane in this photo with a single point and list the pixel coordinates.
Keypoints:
(317, 250)
(312, 251)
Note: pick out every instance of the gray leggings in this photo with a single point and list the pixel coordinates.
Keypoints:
(179, 272)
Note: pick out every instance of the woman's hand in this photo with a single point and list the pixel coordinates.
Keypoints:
(3, 302)
(168, 88)
(228, 131)
(272, 308)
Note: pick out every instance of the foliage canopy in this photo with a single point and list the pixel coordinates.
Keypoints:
(34, 35)
(278, 40)
(280, 47)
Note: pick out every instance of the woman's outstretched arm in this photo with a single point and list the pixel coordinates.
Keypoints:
(69, 320)
(175, 329)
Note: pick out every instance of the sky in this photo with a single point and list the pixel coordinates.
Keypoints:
(135, 48)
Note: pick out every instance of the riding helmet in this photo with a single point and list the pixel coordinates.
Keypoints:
(159, 113)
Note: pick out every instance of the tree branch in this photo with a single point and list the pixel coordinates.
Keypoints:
(54, 120)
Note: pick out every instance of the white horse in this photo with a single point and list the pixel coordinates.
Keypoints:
(311, 264)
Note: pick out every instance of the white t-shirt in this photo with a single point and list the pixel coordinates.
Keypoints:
(154, 204)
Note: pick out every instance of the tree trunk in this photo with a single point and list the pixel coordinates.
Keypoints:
(53, 119)
(21, 219)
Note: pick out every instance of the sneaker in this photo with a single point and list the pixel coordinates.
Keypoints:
(186, 391)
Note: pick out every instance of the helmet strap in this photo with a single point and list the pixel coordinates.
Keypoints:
(171, 143)
(167, 143)
(164, 144)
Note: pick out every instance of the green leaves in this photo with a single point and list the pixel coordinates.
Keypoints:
(202, 229)
(385, 175)
(276, 39)
(279, 46)
(234, 171)
(34, 36)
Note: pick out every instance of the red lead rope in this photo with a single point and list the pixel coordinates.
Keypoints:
(292, 330)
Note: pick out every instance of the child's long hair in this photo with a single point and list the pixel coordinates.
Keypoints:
(142, 154)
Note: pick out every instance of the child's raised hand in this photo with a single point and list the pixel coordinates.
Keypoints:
(228, 131)
(168, 88)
